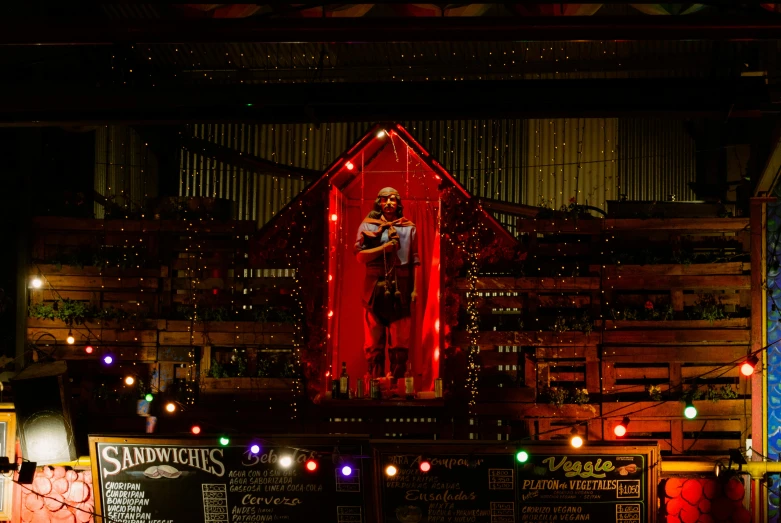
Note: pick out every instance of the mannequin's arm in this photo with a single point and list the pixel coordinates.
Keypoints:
(368, 255)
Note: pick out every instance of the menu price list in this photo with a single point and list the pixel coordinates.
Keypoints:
(457, 489)
(152, 484)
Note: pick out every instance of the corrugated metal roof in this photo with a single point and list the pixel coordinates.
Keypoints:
(533, 162)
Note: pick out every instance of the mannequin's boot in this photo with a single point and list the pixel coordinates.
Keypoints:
(398, 359)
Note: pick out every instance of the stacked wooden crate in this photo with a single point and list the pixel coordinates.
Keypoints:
(186, 292)
(583, 336)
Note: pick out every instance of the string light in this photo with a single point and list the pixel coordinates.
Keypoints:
(129, 380)
(195, 429)
(224, 441)
(254, 448)
(70, 339)
(37, 283)
(620, 429)
(747, 369)
(576, 440)
(390, 471)
(311, 465)
(285, 461)
(170, 407)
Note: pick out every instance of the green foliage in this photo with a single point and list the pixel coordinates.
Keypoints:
(712, 393)
(217, 370)
(73, 312)
(42, 311)
(580, 396)
(708, 307)
(201, 314)
(573, 323)
(236, 367)
(269, 313)
(655, 392)
(556, 396)
(648, 313)
(275, 366)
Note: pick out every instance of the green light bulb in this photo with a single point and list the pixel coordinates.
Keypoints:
(224, 441)
(522, 456)
(149, 397)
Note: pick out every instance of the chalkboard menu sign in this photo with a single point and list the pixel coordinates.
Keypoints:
(458, 488)
(486, 484)
(584, 487)
(176, 481)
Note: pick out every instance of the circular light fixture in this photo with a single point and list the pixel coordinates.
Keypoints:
(108, 359)
(690, 411)
(129, 380)
(522, 456)
(89, 349)
(576, 442)
(334, 217)
(255, 448)
(70, 339)
(149, 396)
(619, 431)
(425, 466)
(285, 461)
(170, 406)
(349, 165)
(37, 283)
(381, 133)
(311, 465)
(347, 470)
(390, 470)
(195, 429)
(224, 441)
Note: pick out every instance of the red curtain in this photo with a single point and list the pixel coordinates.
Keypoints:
(398, 167)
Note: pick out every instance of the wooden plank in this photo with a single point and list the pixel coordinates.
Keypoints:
(711, 372)
(104, 335)
(713, 425)
(565, 226)
(106, 272)
(675, 224)
(713, 446)
(37, 323)
(712, 353)
(237, 327)
(97, 282)
(731, 323)
(226, 339)
(574, 352)
(675, 269)
(673, 409)
(138, 353)
(715, 282)
(691, 336)
(647, 373)
(507, 395)
(577, 226)
(538, 410)
(526, 338)
(498, 283)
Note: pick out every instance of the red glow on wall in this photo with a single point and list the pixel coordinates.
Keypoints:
(215, 291)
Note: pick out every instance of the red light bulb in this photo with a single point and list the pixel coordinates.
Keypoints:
(88, 349)
(311, 465)
(196, 429)
(349, 165)
(425, 466)
(619, 431)
(747, 369)
(334, 217)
